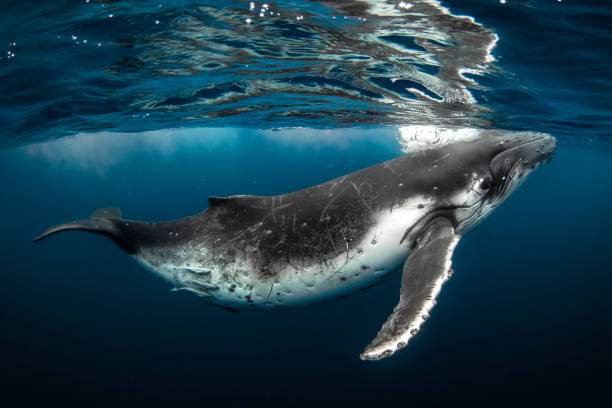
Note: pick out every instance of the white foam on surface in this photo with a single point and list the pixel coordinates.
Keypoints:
(415, 138)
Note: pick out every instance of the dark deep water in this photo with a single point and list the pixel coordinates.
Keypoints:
(525, 318)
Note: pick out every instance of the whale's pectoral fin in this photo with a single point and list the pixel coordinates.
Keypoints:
(425, 270)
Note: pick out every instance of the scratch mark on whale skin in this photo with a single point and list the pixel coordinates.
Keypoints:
(283, 206)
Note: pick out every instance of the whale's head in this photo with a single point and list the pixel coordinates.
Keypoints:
(485, 171)
(513, 160)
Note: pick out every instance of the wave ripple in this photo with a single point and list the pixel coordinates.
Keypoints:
(133, 66)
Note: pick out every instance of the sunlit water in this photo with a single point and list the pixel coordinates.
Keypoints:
(157, 105)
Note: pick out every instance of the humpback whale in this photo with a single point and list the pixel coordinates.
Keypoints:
(338, 237)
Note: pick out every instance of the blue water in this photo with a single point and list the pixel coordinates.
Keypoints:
(159, 116)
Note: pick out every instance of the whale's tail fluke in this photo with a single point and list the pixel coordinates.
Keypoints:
(103, 221)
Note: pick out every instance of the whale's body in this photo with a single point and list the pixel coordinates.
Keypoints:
(296, 248)
(337, 237)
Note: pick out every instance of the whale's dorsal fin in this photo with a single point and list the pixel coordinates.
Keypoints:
(425, 270)
(215, 201)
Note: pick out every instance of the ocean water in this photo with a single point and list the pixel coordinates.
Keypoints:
(152, 106)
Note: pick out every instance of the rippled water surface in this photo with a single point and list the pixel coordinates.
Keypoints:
(152, 106)
(79, 66)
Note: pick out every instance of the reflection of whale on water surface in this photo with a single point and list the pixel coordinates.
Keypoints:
(339, 236)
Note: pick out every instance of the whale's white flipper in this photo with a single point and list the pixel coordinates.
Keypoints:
(425, 270)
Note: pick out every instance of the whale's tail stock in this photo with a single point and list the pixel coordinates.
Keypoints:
(103, 221)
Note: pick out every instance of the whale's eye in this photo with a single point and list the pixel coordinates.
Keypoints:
(485, 184)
